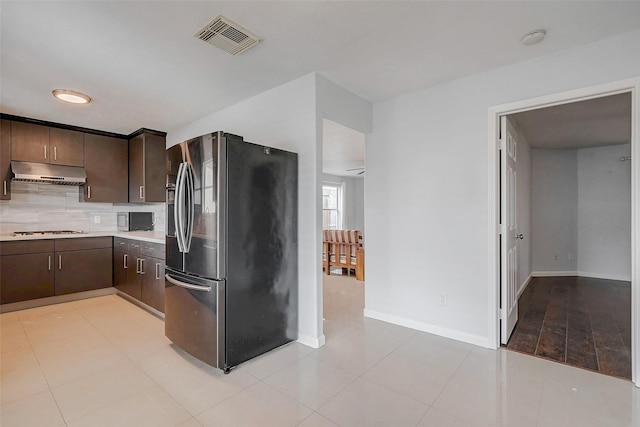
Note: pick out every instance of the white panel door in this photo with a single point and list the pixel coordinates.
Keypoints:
(508, 232)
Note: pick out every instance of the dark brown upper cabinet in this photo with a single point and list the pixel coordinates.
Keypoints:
(66, 147)
(106, 164)
(5, 159)
(29, 142)
(43, 144)
(147, 167)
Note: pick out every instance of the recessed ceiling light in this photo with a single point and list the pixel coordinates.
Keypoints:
(534, 37)
(71, 96)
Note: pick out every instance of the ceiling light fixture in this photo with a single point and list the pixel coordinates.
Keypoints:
(534, 37)
(71, 96)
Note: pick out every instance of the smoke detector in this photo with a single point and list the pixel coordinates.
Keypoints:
(534, 37)
(225, 34)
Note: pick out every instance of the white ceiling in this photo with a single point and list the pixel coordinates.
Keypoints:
(142, 66)
(592, 123)
(342, 149)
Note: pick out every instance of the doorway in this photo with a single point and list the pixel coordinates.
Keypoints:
(343, 229)
(497, 291)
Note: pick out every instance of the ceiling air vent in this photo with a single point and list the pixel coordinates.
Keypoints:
(227, 35)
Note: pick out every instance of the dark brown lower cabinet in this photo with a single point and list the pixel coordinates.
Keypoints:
(152, 290)
(126, 278)
(31, 269)
(83, 264)
(138, 272)
(83, 270)
(26, 276)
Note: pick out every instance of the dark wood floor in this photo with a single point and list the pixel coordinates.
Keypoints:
(579, 321)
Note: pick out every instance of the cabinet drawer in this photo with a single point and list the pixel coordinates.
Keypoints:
(77, 244)
(135, 246)
(155, 250)
(26, 247)
(120, 244)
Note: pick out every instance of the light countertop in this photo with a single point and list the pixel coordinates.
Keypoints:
(145, 236)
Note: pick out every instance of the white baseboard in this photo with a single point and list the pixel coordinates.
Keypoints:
(432, 329)
(310, 341)
(553, 273)
(525, 284)
(604, 276)
(580, 274)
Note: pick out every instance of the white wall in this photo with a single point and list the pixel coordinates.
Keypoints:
(427, 191)
(554, 210)
(290, 117)
(353, 200)
(523, 208)
(284, 117)
(581, 205)
(604, 212)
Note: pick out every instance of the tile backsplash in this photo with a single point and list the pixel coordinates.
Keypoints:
(36, 207)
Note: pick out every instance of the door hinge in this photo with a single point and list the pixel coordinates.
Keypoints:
(501, 314)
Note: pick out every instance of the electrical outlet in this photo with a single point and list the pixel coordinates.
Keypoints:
(570, 256)
(96, 219)
(555, 257)
(443, 298)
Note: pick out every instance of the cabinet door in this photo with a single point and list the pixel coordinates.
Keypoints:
(129, 279)
(155, 171)
(25, 277)
(153, 283)
(66, 147)
(136, 169)
(106, 163)
(86, 270)
(5, 160)
(120, 266)
(29, 142)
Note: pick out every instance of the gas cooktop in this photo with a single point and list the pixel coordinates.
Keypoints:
(47, 232)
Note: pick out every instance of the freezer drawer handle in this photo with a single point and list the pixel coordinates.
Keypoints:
(187, 285)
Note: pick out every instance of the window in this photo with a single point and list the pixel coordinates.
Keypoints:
(332, 206)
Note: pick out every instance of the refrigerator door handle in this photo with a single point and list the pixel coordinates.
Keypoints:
(178, 208)
(189, 186)
(187, 285)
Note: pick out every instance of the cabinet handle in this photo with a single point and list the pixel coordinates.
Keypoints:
(158, 271)
(141, 265)
(59, 262)
(55, 153)
(88, 191)
(49, 262)
(138, 265)
(142, 191)
(4, 187)
(45, 151)
(124, 260)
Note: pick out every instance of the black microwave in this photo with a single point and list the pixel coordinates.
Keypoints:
(135, 221)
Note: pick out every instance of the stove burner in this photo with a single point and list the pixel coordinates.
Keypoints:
(43, 233)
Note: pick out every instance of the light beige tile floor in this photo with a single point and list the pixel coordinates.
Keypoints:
(106, 362)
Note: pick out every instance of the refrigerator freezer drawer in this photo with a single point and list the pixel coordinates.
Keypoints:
(195, 316)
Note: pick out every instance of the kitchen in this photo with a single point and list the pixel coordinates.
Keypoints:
(231, 233)
(104, 360)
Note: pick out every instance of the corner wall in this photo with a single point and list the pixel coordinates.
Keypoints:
(290, 117)
(554, 211)
(284, 117)
(604, 213)
(428, 187)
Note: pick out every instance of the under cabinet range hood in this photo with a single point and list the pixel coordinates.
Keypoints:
(47, 173)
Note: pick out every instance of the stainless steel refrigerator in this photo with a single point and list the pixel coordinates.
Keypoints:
(231, 288)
